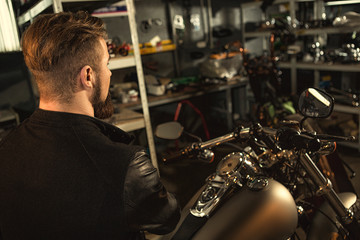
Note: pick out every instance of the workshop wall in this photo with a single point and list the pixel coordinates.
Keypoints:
(152, 22)
(195, 41)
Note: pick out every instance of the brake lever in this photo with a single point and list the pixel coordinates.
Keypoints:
(328, 137)
(335, 138)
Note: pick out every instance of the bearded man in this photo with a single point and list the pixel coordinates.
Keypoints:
(64, 173)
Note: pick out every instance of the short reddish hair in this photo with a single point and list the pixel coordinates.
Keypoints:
(56, 47)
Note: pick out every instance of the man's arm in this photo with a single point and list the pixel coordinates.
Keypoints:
(148, 205)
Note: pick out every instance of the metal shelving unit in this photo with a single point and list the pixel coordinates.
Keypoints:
(293, 65)
(141, 121)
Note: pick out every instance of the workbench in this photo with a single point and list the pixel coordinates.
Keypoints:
(129, 119)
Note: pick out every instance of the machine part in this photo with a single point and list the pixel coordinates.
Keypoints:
(224, 67)
(195, 22)
(229, 164)
(154, 86)
(179, 22)
(258, 183)
(210, 197)
(240, 165)
(233, 170)
(206, 155)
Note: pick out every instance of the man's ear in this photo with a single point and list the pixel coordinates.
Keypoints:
(87, 77)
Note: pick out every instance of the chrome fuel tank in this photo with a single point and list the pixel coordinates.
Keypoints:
(266, 214)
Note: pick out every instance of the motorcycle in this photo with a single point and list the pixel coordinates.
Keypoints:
(271, 188)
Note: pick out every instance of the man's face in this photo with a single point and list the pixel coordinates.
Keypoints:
(101, 99)
(102, 108)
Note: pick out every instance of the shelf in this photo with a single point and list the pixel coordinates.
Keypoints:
(158, 49)
(260, 33)
(344, 2)
(322, 66)
(34, 11)
(121, 62)
(258, 3)
(326, 30)
(129, 61)
(330, 3)
(346, 109)
(305, 32)
(110, 14)
(127, 120)
(189, 92)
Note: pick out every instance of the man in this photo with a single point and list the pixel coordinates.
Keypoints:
(64, 174)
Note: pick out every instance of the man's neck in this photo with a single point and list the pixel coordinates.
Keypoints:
(77, 107)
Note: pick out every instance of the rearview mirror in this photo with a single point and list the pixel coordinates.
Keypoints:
(169, 130)
(315, 103)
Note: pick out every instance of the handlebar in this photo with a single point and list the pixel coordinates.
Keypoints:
(197, 147)
(282, 138)
(172, 157)
(335, 138)
(290, 138)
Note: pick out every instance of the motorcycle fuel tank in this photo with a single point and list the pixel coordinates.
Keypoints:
(266, 214)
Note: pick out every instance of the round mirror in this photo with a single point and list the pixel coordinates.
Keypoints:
(315, 103)
(169, 130)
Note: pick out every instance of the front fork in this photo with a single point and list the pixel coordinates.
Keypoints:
(346, 216)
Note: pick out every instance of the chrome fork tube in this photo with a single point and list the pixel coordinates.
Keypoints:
(326, 188)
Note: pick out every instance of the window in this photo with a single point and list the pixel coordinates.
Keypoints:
(9, 37)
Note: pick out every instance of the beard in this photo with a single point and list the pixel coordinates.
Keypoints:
(102, 109)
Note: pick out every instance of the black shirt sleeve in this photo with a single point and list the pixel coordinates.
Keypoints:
(148, 206)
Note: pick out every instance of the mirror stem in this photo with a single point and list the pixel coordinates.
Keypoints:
(302, 122)
(193, 136)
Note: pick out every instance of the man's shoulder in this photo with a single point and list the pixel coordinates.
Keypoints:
(104, 131)
(106, 147)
